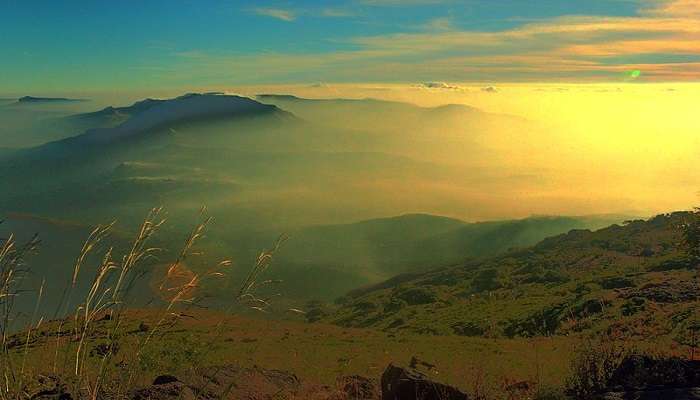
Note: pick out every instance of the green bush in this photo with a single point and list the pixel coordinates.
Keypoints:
(416, 296)
(616, 282)
(487, 280)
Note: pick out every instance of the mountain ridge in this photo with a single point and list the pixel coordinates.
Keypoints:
(153, 114)
(634, 277)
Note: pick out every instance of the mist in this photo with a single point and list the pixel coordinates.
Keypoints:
(327, 160)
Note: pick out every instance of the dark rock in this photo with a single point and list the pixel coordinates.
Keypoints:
(223, 382)
(644, 372)
(166, 391)
(164, 379)
(407, 384)
(104, 349)
(52, 389)
(51, 394)
(143, 327)
(417, 362)
(357, 387)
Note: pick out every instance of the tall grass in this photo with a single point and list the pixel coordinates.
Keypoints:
(107, 299)
(13, 269)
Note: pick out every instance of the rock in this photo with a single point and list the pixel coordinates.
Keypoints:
(52, 395)
(644, 373)
(165, 379)
(51, 389)
(165, 391)
(104, 349)
(143, 327)
(407, 384)
(357, 387)
(234, 382)
(417, 362)
(647, 378)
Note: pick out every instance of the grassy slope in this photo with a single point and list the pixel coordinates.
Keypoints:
(317, 353)
(631, 278)
(346, 257)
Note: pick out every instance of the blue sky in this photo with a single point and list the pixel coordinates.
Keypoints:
(93, 45)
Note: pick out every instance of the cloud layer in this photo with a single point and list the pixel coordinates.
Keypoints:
(662, 42)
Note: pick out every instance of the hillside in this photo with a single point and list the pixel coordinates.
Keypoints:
(330, 259)
(632, 278)
(317, 262)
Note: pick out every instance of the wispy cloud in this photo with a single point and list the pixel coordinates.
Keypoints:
(440, 85)
(398, 3)
(290, 15)
(336, 13)
(662, 42)
(438, 24)
(278, 13)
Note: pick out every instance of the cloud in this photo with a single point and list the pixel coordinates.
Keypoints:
(292, 15)
(438, 24)
(440, 85)
(676, 8)
(660, 42)
(489, 89)
(336, 13)
(402, 3)
(277, 13)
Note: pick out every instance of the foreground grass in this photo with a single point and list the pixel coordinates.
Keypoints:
(316, 353)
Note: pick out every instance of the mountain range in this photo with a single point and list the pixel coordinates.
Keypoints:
(281, 164)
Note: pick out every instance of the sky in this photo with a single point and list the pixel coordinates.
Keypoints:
(55, 45)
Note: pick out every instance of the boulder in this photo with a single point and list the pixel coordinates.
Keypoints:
(646, 378)
(408, 384)
(165, 379)
(639, 372)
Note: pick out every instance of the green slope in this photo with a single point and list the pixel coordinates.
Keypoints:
(633, 278)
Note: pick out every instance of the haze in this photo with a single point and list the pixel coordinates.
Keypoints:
(579, 149)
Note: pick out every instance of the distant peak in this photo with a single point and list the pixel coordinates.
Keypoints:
(32, 99)
(279, 96)
(150, 114)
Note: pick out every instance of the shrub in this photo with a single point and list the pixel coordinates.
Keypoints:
(416, 296)
(486, 280)
(616, 282)
(467, 328)
(593, 366)
(633, 306)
